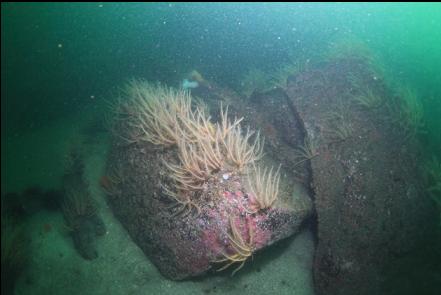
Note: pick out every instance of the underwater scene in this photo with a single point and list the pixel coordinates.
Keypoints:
(221, 148)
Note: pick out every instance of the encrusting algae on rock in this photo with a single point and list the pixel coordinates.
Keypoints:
(195, 193)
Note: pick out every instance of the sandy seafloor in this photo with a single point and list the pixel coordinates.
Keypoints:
(122, 268)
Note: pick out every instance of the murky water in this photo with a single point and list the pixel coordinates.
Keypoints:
(63, 64)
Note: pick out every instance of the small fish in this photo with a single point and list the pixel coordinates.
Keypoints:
(187, 84)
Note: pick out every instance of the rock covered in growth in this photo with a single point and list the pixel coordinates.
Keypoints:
(195, 201)
(369, 203)
(79, 209)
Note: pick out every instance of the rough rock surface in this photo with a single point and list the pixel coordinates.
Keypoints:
(362, 172)
(369, 202)
(188, 241)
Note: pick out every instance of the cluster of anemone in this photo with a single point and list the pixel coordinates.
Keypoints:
(242, 248)
(167, 117)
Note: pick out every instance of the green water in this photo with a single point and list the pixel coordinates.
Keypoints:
(60, 61)
(55, 56)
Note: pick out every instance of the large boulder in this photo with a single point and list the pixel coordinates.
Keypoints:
(369, 200)
(221, 225)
